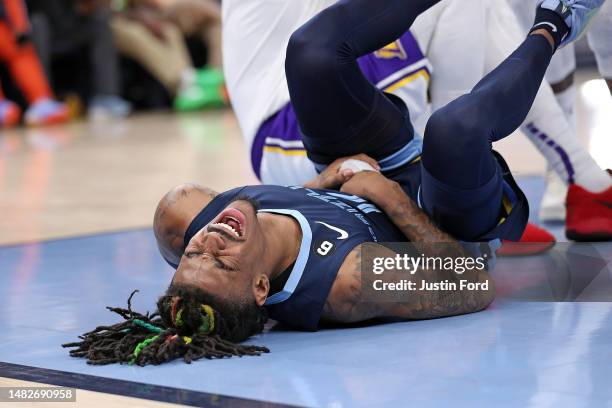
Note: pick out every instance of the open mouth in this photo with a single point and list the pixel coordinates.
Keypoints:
(232, 221)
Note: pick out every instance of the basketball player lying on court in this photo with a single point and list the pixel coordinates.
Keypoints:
(293, 253)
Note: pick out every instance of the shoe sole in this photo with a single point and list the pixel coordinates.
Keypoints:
(9, 124)
(52, 120)
(597, 236)
(514, 249)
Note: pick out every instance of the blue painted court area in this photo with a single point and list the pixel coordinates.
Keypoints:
(528, 349)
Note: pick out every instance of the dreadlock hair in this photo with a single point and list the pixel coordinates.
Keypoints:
(189, 323)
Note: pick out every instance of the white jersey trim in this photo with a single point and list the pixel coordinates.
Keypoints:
(424, 63)
(288, 144)
(300, 262)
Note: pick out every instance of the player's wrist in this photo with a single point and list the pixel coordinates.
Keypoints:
(388, 196)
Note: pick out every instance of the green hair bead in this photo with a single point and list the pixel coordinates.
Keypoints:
(141, 346)
(147, 326)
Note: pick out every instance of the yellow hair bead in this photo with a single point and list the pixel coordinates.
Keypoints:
(211, 316)
(179, 318)
(209, 325)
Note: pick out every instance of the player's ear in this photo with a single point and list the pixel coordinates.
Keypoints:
(261, 288)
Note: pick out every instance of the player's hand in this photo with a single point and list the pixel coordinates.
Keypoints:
(332, 177)
(372, 186)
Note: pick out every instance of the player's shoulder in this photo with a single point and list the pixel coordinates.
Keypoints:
(175, 212)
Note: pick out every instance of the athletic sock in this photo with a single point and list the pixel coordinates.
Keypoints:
(548, 128)
(552, 22)
(567, 101)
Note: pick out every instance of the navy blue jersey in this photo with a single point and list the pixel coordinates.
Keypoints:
(332, 225)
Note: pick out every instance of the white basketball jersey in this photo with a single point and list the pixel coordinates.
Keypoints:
(255, 38)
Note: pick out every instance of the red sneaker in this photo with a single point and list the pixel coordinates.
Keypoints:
(535, 240)
(589, 215)
(46, 112)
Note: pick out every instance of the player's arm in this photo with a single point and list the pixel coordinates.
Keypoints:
(346, 302)
(175, 212)
(389, 196)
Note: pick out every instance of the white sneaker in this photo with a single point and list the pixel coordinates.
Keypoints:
(105, 107)
(552, 208)
(577, 14)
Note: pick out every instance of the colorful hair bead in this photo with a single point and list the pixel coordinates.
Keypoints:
(208, 320)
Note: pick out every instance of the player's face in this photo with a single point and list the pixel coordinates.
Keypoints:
(224, 256)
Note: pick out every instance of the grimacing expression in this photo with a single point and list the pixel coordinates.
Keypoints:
(225, 255)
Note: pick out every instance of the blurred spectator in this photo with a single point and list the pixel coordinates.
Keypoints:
(144, 32)
(197, 18)
(62, 27)
(19, 55)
